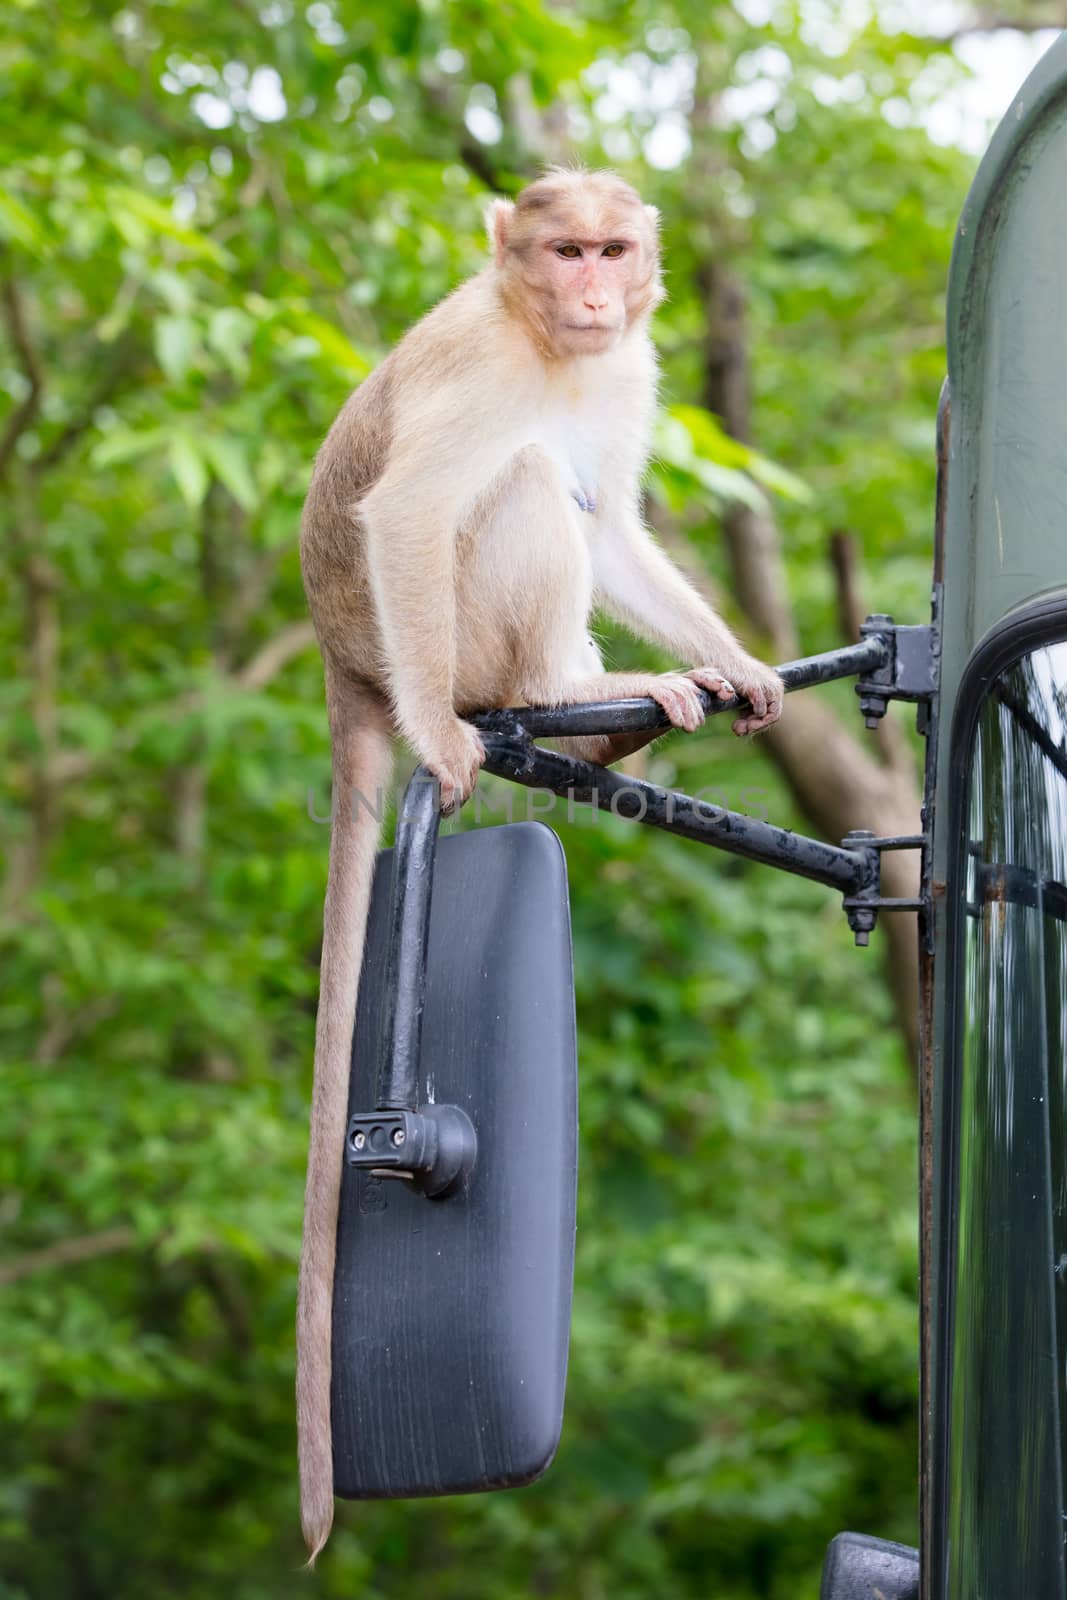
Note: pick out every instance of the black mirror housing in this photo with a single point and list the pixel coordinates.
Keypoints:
(452, 1314)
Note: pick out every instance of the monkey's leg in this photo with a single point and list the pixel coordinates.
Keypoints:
(533, 558)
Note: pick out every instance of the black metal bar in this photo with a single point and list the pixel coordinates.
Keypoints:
(514, 756)
(1006, 882)
(409, 929)
(633, 716)
(889, 903)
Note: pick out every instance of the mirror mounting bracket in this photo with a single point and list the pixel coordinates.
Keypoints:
(862, 908)
(434, 1147)
(908, 672)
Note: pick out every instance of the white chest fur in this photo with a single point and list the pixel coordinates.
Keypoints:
(579, 449)
(593, 419)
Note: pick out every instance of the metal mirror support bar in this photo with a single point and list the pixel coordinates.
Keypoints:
(434, 1146)
(417, 826)
(513, 755)
(872, 655)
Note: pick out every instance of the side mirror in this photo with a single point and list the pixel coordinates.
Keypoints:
(452, 1314)
(858, 1567)
(1006, 959)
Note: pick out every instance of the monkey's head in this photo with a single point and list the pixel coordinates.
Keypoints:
(577, 259)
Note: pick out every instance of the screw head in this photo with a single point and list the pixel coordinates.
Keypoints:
(359, 1139)
(398, 1137)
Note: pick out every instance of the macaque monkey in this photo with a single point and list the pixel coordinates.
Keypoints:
(476, 498)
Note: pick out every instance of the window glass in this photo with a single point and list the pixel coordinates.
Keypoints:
(1009, 1342)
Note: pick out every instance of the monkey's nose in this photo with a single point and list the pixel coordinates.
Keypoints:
(594, 302)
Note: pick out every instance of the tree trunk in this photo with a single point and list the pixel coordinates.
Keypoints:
(837, 783)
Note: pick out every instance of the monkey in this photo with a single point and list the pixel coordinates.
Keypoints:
(477, 496)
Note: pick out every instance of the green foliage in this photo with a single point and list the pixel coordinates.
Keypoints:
(697, 459)
(216, 220)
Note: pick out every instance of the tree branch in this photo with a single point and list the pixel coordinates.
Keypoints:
(254, 586)
(996, 23)
(120, 366)
(71, 765)
(751, 536)
(850, 613)
(85, 1247)
(25, 412)
(39, 582)
(891, 744)
(68, 1252)
(475, 158)
(62, 1026)
(276, 654)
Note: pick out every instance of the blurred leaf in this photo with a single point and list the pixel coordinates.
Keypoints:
(229, 457)
(18, 223)
(189, 468)
(141, 219)
(122, 444)
(675, 448)
(228, 334)
(177, 345)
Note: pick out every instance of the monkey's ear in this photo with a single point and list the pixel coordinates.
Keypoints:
(653, 216)
(498, 215)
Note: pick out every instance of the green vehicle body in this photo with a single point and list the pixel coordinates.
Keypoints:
(993, 1298)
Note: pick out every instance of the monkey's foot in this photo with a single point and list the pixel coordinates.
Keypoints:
(454, 756)
(762, 688)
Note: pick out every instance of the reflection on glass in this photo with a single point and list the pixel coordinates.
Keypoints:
(1007, 1448)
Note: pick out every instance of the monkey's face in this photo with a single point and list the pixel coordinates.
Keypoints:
(582, 253)
(587, 279)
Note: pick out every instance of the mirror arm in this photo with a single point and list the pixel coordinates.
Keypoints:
(434, 1147)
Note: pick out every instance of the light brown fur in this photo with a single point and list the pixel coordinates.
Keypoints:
(449, 568)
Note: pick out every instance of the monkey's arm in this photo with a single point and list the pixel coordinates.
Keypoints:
(639, 585)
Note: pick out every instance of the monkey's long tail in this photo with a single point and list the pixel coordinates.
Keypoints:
(362, 764)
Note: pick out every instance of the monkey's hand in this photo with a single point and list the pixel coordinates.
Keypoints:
(759, 685)
(454, 756)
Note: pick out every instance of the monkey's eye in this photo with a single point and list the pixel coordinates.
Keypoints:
(613, 251)
(570, 251)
